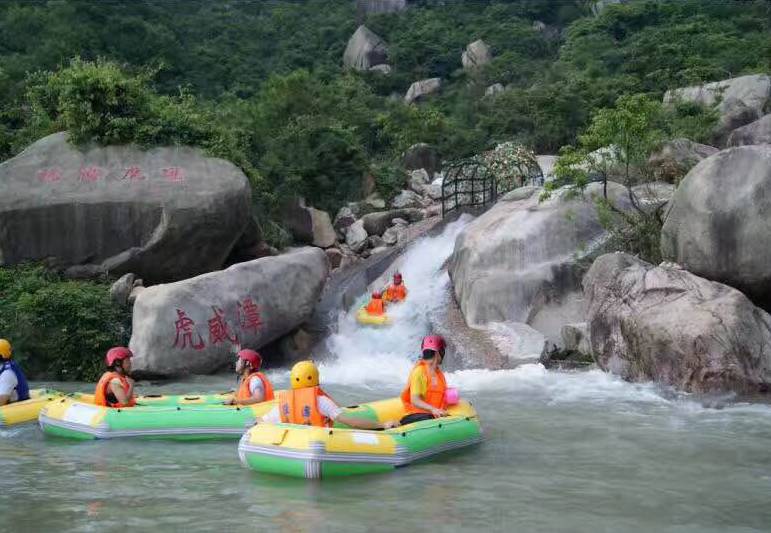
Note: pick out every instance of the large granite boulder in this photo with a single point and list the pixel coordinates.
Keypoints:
(421, 89)
(758, 132)
(422, 156)
(196, 326)
(365, 50)
(376, 223)
(356, 236)
(406, 199)
(718, 224)
(520, 261)
(476, 55)
(739, 101)
(668, 325)
(307, 224)
(675, 158)
(163, 214)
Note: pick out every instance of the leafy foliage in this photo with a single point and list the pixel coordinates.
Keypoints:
(59, 329)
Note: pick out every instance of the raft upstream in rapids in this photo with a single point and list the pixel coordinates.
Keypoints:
(363, 317)
(69, 418)
(315, 452)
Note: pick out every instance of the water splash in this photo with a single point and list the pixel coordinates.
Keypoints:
(371, 357)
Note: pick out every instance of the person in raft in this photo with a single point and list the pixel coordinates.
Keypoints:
(376, 306)
(116, 388)
(396, 292)
(254, 386)
(424, 396)
(308, 405)
(13, 383)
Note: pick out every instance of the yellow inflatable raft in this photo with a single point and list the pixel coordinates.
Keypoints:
(27, 410)
(314, 452)
(363, 317)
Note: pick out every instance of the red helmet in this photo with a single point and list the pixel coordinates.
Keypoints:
(376, 295)
(119, 353)
(397, 278)
(252, 357)
(434, 343)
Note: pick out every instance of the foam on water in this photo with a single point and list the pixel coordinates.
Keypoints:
(372, 356)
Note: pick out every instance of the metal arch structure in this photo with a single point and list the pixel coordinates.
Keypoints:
(470, 185)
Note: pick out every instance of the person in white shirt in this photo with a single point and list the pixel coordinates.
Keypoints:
(13, 383)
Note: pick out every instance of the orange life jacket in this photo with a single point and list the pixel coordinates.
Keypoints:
(244, 393)
(396, 293)
(301, 406)
(376, 307)
(434, 393)
(100, 395)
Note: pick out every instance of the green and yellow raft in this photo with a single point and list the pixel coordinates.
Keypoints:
(26, 410)
(314, 452)
(363, 317)
(181, 418)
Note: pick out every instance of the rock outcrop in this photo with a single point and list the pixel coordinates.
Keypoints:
(476, 55)
(676, 157)
(365, 50)
(421, 89)
(739, 101)
(163, 214)
(758, 132)
(197, 325)
(519, 261)
(718, 224)
(495, 88)
(670, 326)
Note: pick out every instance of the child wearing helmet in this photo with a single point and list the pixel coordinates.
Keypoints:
(254, 386)
(424, 396)
(396, 292)
(307, 404)
(116, 388)
(376, 306)
(13, 383)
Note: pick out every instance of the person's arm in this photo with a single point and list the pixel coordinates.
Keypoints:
(271, 417)
(418, 402)
(117, 389)
(258, 396)
(363, 423)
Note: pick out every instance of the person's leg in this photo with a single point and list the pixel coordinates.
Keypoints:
(415, 417)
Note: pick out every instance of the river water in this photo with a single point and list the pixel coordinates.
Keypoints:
(563, 451)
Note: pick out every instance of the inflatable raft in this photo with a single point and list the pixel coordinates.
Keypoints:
(313, 452)
(67, 417)
(27, 410)
(363, 317)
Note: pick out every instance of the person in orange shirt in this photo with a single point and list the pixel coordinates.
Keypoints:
(254, 386)
(376, 306)
(116, 388)
(424, 396)
(396, 292)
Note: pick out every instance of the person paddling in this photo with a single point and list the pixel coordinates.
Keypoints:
(13, 383)
(424, 396)
(254, 386)
(307, 404)
(116, 388)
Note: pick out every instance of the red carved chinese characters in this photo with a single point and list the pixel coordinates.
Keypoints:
(134, 173)
(249, 315)
(218, 328)
(185, 327)
(174, 174)
(50, 175)
(91, 173)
